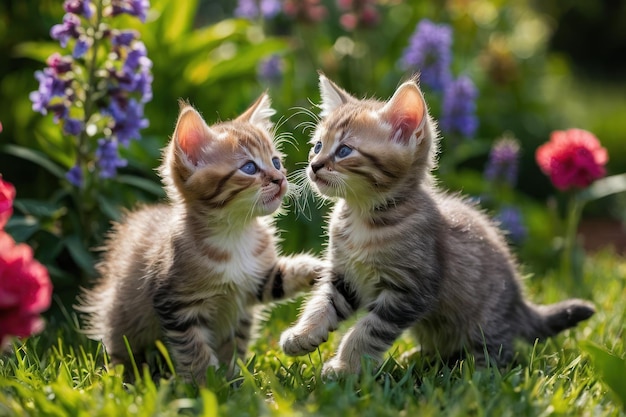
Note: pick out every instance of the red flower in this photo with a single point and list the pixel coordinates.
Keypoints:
(572, 158)
(7, 194)
(25, 290)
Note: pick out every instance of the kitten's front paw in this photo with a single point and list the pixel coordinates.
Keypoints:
(336, 368)
(295, 342)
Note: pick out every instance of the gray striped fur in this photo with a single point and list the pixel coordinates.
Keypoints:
(189, 272)
(409, 255)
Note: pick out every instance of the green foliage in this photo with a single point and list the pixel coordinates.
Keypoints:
(526, 91)
(63, 374)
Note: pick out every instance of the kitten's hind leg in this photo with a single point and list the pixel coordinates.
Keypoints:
(192, 353)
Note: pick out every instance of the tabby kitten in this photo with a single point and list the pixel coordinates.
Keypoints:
(189, 272)
(410, 255)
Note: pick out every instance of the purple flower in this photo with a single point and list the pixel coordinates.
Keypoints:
(429, 52)
(138, 8)
(75, 176)
(123, 37)
(459, 107)
(72, 126)
(137, 57)
(503, 161)
(511, 221)
(79, 7)
(251, 9)
(59, 64)
(128, 119)
(270, 69)
(81, 46)
(247, 9)
(66, 30)
(107, 158)
(270, 8)
(49, 86)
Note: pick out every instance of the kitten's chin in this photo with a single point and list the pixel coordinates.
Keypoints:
(271, 202)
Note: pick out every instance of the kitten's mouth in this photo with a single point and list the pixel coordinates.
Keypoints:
(320, 181)
(276, 198)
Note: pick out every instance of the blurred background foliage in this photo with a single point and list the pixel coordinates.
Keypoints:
(538, 66)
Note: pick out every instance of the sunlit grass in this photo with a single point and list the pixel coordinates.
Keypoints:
(60, 373)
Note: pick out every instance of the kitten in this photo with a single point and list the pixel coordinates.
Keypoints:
(189, 272)
(411, 256)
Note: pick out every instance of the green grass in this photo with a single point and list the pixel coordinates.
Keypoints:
(581, 372)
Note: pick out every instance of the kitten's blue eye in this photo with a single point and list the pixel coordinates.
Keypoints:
(276, 162)
(249, 168)
(317, 148)
(344, 151)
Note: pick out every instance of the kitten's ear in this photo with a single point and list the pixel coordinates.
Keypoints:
(405, 111)
(259, 112)
(332, 96)
(192, 133)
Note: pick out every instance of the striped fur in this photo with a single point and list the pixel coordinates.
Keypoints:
(407, 254)
(190, 271)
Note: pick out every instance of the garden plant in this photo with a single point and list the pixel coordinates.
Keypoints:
(90, 94)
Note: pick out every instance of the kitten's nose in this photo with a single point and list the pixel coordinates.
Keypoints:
(316, 167)
(277, 180)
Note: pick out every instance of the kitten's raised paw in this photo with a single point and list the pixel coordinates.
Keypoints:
(296, 343)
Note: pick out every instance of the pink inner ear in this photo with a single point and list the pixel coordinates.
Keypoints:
(191, 134)
(405, 112)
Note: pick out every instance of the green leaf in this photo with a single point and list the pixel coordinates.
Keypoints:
(39, 51)
(604, 187)
(80, 254)
(35, 157)
(22, 228)
(143, 184)
(110, 210)
(612, 368)
(178, 19)
(37, 208)
(244, 61)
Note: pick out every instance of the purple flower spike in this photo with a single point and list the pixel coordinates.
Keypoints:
(119, 83)
(270, 8)
(429, 52)
(67, 30)
(511, 221)
(247, 9)
(75, 176)
(270, 69)
(108, 159)
(459, 108)
(503, 161)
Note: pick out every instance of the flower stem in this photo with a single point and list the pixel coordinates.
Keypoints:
(570, 267)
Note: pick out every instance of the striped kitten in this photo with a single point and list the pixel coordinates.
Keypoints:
(411, 256)
(189, 272)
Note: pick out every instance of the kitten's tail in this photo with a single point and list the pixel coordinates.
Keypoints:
(543, 321)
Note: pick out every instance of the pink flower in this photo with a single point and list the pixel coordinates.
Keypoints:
(7, 194)
(25, 290)
(572, 158)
